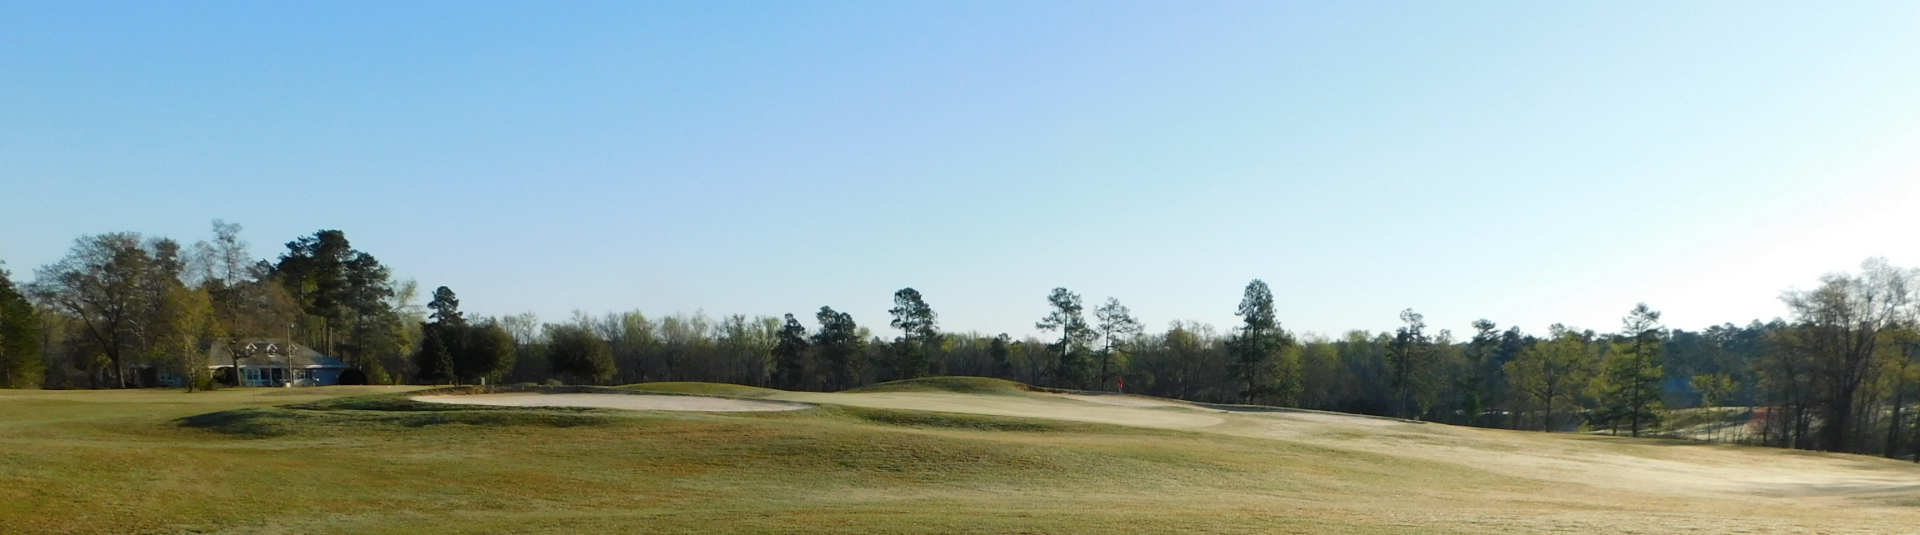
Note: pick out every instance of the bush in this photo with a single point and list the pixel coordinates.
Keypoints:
(353, 376)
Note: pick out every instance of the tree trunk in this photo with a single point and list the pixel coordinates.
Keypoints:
(1893, 424)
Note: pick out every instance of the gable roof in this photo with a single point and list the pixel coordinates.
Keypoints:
(270, 352)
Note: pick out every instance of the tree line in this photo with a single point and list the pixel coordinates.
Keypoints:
(1838, 375)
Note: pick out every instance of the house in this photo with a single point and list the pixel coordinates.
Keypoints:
(273, 362)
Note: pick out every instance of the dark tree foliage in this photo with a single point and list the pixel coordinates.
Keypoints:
(487, 354)
(1254, 350)
(1630, 385)
(435, 358)
(790, 355)
(20, 364)
(446, 307)
(1073, 366)
(576, 353)
(344, 291)
(353, 376)
(1409, 356)
(920, 336)
(837, 349)
(1002, 354)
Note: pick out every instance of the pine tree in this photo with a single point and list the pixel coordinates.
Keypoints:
(1409, 355)
(1254, 350)
(790, 355)
(435, 358)
(919, 334)
(1115, 322)
(1071, 370)
(837, 346)
(1631, 380)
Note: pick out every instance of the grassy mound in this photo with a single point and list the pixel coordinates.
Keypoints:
(704, 389)
(959, 385)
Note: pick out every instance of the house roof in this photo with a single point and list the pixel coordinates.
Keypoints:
(270, 352)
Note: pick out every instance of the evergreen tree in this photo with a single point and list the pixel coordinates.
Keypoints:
(1409, 355)
(1115, 323)
(435, 358)
(837, 347)
(1254, 351)
(340, 289)
(446, 307)
(1633, 374)
(790, 355)
(449, 357)
(1071, 368)
(20, 364)
(919, 334)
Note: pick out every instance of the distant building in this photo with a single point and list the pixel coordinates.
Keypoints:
(265, 362)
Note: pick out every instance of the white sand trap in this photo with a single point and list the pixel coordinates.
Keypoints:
(637, 402)
(1124, 400)
(1049, 407)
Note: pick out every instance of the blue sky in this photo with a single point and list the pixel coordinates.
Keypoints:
(1526, 162)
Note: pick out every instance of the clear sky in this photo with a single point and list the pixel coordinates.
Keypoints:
(1526, 162)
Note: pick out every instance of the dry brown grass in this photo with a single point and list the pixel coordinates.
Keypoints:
(884, 462)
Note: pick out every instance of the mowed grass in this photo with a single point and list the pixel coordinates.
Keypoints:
(360, 460)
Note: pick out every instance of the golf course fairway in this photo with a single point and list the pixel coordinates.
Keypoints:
(945, 455)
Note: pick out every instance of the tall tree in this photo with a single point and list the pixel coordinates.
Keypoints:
(103, 285)
(20, 364)
(1409, 355)
(1115, 323)
(838, 346)
(183, 326)
(919, 338)
(790, 355)
(1841, 323)
(341, 288)
(1482, 370)
(444, 353)
(1070, 369)
(245, 302)
(1254, 349)
(1631, 383)
(1553, 373)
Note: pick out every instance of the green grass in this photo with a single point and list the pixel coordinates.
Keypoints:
(704, 389)
(369, 460)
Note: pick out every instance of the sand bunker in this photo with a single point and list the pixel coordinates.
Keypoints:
(1123, 400)
(637, 402)
(1049, 407)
